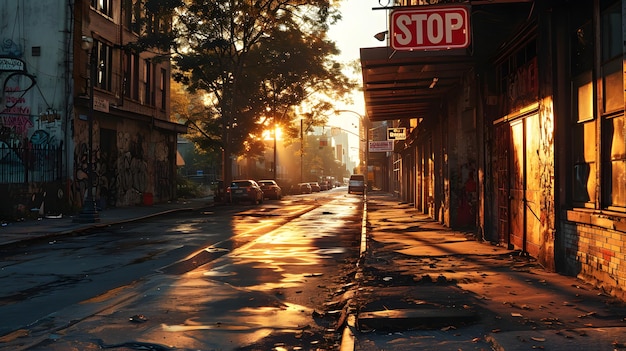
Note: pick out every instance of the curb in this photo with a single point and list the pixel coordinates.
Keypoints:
(348, 336)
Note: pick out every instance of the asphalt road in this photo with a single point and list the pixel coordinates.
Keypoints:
(236, 277)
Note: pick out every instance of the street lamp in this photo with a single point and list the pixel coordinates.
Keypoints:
(275, 156)
(89, 212)
(363, 120)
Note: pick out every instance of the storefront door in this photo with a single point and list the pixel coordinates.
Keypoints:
(524, 182)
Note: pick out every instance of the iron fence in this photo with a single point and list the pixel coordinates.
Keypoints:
(31, 163)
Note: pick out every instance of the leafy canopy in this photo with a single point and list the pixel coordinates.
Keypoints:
(256, 60)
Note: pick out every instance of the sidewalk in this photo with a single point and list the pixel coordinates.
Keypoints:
(48, 227)
(422, 286)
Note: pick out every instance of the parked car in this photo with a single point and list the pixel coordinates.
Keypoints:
(245, 190)
(301, 188)
(271, 189)
(315, 187)
(324, 186)
(356, 184)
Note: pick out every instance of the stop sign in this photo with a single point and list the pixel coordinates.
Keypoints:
(432, 28)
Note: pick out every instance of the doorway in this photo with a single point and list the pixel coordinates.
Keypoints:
(518, 184)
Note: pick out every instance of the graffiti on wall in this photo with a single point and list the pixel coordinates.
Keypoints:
(467, 195)
(132, 168)
(15, 119)
(163, 173)
(31, 158)
(26, 152)
(118, 180)
(127, 168)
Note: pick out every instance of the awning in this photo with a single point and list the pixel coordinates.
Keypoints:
(409, 84)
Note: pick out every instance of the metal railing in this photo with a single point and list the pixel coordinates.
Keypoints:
(32, 163)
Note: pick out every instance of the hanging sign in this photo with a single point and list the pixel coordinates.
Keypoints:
(430, 28)
(381, 146)
(396, 133)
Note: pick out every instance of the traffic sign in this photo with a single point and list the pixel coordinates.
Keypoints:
(430, 28)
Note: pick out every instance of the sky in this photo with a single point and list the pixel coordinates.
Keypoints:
(356, 30)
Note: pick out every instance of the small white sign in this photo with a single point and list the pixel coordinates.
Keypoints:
(100, 104)
(8, 64)
(381, 146)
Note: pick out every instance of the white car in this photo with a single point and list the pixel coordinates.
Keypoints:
(356, 184)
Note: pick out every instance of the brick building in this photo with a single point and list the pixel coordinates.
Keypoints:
(64, 46)
(518, 136)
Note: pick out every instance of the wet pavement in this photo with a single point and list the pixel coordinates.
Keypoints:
(420, 286)
(38, 227)
(270, 289)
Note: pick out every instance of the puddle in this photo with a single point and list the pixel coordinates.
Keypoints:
(287, 317)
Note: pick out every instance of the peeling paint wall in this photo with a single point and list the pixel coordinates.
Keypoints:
(546, 170)
(34, 110)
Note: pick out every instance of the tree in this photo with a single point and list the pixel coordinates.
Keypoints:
(320, 159)
(203, 127)
(256, 60)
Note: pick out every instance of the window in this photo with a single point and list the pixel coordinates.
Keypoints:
(583, 129)
(131, 77)
(157, 24)
(163, 88)
(613, 124)
(612, 75)
(598, 138)
(615, 159)
(147, 96)
(103, 6)
(132, 15)
(104, 61)
(516, 77)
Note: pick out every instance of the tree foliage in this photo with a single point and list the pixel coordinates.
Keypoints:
(255, 60)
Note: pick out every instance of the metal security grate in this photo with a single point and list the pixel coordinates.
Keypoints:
(33, 163)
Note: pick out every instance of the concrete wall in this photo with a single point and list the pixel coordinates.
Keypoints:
(38, 33)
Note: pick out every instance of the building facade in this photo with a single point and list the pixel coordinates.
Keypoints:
(78, 81)
(519, 136)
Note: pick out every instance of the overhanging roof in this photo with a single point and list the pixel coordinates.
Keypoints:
(397, 84)
(409, 84)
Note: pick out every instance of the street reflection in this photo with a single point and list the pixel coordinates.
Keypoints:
(270, 280)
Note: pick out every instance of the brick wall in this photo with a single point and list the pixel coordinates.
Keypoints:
(596, 254)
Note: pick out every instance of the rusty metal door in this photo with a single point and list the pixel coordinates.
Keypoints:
(524, 185)
(503, 144)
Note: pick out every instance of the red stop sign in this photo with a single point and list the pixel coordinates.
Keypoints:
(432, 28)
